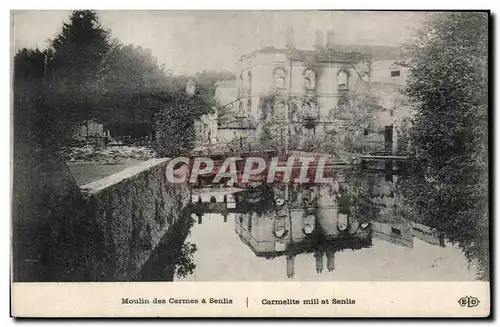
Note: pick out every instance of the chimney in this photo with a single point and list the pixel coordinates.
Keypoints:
(329, 39)
(290, 38)
(319, 40)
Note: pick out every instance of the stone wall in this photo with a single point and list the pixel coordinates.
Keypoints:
(102, 231)
(134, 209)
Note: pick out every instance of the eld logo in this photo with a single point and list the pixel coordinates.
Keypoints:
(469, 301)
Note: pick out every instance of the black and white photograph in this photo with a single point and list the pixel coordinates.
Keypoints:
(296, 146)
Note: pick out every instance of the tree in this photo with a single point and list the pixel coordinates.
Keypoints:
(57, 87)
(208, 78)
(28, 74)
(174, 123)
(447, 173)
(184, 262)
(358, 113)
(76, 56)
(270, 137)
(130, 88)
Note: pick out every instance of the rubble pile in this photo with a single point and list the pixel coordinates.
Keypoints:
(107, 154)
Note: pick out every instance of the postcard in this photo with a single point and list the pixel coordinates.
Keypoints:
(250, 163)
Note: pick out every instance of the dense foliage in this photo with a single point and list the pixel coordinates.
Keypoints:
(57, 87)
(84, 74)
(447, 180)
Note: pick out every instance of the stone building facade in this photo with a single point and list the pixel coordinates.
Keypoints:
(298, 93)
(206, 129)
(90, 131)
(387, 81)
(232, 125)
(297, 90)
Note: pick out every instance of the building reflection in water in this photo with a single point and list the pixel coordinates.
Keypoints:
(299, 220)
(321, 220)
(215, 202)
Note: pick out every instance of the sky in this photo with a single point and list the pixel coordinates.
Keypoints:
(229, 259)
(191, 41)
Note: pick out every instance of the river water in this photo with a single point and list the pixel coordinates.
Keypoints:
(304, 234)
(222, 256)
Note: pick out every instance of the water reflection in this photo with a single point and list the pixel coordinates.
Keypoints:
(351, 230)
(173, 257)
(316, 220)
